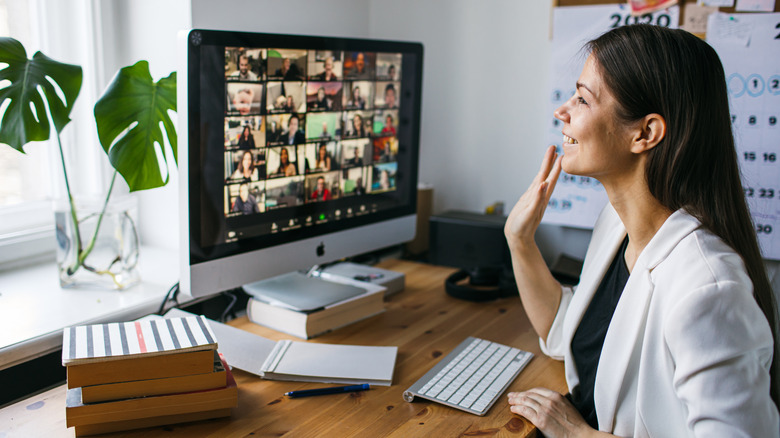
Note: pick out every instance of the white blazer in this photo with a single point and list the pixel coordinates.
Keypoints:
(688, 350)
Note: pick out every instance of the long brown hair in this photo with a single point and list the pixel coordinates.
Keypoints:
(650, 69)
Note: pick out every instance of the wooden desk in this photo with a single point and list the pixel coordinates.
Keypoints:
(422, 321)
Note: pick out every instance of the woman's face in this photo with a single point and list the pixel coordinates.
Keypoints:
(246, 132)
(595, 142)
(323, 151)
(247, 161)
(357, 123)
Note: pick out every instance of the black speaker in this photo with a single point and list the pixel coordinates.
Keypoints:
(474, 243)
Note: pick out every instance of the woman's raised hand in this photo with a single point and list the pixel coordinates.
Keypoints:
(527, 213)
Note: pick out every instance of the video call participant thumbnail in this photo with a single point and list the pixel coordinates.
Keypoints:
(244, 164)
(294, 133)
(327, 70)
(287, 64)
(321, 157)
(244, 65)
(384, 177)
(388, 66)
(385, 149)
(353, 181)
(244, 98)
(360, 95)
(386, 123)
(323, 126)
(359, 65)
(281, 162)
(357, 124)
(247, 200)
(244, 133)
(284, 192)
(322, 187)
(324, 96)
(321, 192)
(287, 97)
(387, 94)
(353, 152)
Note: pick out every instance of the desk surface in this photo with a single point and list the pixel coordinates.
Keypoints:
(422, 321)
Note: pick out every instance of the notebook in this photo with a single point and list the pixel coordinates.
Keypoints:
(302, 361)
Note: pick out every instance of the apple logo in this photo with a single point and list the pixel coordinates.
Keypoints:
(321, 249)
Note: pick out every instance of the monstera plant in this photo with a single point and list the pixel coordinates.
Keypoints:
(40, 94)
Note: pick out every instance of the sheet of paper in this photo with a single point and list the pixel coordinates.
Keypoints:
(696, 17)
(755, 5)
(748, 46)
(717, 3)
(336, 363)
(577, 200)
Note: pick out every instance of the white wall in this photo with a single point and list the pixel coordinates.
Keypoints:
(135, 30)
(305, 17)
(483, 92)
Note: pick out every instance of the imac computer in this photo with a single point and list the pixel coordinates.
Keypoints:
(294, 151)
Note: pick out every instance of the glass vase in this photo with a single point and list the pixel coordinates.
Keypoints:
(104, 252)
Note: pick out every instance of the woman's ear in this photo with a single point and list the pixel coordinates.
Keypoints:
(651, 130)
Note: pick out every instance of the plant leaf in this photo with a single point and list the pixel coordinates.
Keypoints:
(133, 100)
(20, 124)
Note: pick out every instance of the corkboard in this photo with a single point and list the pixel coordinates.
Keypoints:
(604, 2)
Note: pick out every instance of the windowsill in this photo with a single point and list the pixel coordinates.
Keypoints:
(34, 309)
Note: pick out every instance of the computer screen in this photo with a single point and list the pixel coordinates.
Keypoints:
(298, 150)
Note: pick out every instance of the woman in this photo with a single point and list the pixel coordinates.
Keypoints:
(289, 104)
(673, 293)
(389, 128)
(322, 102)
(246, 141)
(246, 168)
(286, 168)
(357, 127)
(323, 160)
(357, 100)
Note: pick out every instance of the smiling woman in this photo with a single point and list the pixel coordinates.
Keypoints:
(671, 331)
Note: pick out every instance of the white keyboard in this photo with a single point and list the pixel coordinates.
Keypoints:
(472, 376)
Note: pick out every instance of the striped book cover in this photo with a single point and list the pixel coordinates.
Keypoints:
(124, 340)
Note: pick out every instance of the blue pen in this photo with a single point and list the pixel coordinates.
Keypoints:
(323, 391)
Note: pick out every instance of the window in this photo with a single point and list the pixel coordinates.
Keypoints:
(26, 220)
(30, 182)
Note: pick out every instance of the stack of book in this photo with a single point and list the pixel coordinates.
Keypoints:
(144, 373)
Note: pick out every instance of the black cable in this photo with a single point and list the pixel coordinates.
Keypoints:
(229, 307)
(174, 290)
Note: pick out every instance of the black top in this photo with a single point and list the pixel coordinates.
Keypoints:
(589, 337)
